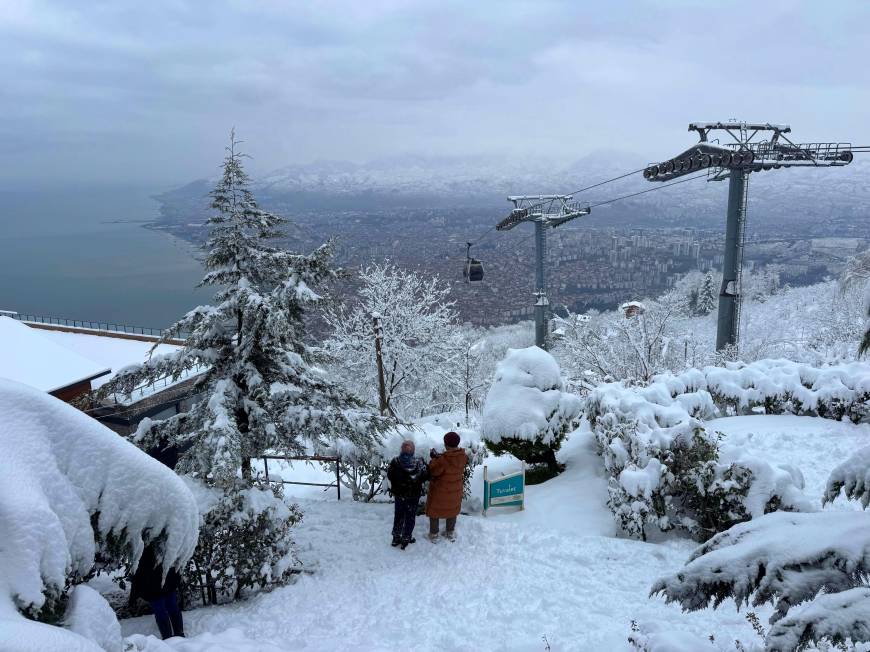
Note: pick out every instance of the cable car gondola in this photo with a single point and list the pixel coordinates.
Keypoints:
(473, 271)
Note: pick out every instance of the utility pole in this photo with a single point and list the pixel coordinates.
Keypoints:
(545, 211)
(734, 161)
(379, 359)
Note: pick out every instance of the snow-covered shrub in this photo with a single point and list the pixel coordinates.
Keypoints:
(527, 413)
(785, 559)
(89, 615)
(782, 386)
(853, 477)
(666, 469)
(68, 483)
(812, 567)
(244, 542)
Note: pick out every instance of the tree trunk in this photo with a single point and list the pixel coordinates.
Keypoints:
(247, 472)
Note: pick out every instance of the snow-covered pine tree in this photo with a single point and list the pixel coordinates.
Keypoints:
(259, 386)
(707, 295)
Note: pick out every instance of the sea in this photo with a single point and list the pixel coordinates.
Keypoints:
(85, 254)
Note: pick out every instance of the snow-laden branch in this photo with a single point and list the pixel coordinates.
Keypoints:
(782, 558)
(62, 472)
(852, 476)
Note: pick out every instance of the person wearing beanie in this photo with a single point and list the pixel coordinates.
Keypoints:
(446, 473)
(406, 474)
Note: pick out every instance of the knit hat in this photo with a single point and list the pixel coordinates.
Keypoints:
(451, 439)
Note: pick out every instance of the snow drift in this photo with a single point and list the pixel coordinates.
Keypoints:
(61, 472)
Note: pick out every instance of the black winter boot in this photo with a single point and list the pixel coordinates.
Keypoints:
(396, 541)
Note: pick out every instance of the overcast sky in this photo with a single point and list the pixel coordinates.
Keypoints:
(147, 90)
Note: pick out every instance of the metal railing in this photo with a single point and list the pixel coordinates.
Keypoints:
(110, 327)
(306, 458)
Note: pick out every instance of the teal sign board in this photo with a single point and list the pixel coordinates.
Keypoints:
(506, 491)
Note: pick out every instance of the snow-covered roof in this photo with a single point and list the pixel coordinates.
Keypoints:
(28, 357)
(112, 352)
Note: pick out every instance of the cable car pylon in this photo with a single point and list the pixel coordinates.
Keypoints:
(545, 211)
(735, 161)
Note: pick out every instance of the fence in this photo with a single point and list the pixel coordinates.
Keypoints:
(306, 458)
(92, 325)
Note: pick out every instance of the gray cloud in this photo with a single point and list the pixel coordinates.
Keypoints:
(124, 90)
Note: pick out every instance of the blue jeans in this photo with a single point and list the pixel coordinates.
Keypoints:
(168, 615)
(405, 517)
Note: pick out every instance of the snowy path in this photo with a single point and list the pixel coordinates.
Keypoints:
(509, 580)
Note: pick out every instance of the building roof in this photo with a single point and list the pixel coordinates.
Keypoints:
(28, 357)
(107, 350)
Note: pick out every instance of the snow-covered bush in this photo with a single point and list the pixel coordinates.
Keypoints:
(666, 469)
(812, 567)
(67, 485)
(781, 386)
(527, 413)
(364, 470)
(853, 477)
(245, 541)
(785, 559)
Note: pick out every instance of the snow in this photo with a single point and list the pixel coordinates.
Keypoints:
(59, 468)
(554, 569)
(113, 353)
(27, 356)
(89, 615)
(526, 400)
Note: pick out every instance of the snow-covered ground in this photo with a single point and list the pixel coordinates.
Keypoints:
(554, 570)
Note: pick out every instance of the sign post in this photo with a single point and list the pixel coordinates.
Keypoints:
(505, 491)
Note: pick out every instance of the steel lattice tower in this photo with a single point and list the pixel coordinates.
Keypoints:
(755, 147)
(545, 211)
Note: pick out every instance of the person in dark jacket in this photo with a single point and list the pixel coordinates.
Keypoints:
(444, 501)
(148, 582)
(406, 474)
(162, 594)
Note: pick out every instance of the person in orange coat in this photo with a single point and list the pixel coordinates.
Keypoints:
(446, 472)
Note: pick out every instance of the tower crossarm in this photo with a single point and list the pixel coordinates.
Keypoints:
(754, 147)
(552, 210)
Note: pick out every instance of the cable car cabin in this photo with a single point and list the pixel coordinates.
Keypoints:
(473, 270)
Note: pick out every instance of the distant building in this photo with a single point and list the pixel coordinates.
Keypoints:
(632, 308)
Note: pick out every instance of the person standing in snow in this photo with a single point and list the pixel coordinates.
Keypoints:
(446, 471)
(148, 582)
(162, 594)
(406, 474)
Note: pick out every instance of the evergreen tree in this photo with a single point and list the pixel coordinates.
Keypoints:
(260, 387)
(707, 296)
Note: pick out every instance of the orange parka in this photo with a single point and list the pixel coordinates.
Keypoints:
(445, 487)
